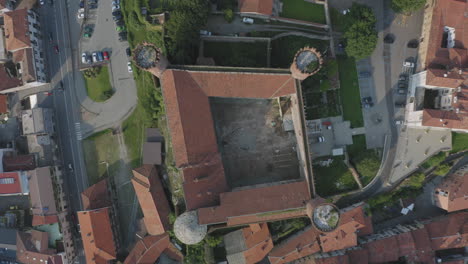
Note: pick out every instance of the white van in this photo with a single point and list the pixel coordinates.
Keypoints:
(248, 20)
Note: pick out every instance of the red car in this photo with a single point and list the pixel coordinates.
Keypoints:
(106, 55)
(56, 49)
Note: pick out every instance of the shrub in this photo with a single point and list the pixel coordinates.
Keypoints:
(228, 15)
(442, 169)
(213, 241)
(92, 72)
(407, 6)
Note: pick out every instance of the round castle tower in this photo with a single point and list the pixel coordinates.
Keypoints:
(307, 62)
(150, 58)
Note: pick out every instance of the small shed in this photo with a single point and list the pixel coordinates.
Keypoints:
(152, 153)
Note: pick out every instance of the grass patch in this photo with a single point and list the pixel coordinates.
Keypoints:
(302, 10)
(434, 160)
(350, 94)
(100, 147)
(333, 179)
(284, 49)
(366, 161)
(459, 142)
(240, 54)
(99, 89)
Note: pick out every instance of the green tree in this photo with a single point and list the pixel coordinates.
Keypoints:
(213, 241)
(228, 15)
(416, 180)
(407, 6)
(442, 169)
(361, 40)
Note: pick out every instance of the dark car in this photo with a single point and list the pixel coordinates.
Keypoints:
(117, 17)
(123, 38)
(120, 23)
(400, 104)
(50, 37)
(389, 38)
(81, 4)
(100, 56)
(92, 6)
(403, 78)
(364, 74)
(413, 44)
(129, 52)
(51, 2)
(367, 99)
(116, 13)
(402, 85)
(56, 49)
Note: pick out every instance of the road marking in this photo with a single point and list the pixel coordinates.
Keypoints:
(78, 131)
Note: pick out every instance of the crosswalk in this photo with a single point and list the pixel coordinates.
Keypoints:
(78, 131)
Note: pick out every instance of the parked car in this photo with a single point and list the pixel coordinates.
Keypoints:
(116, 13)
(92, 6)
(41, 2)
(368, 105)
(81, 4)
(403, 78)
(320, 139)
(61, 86)
(413, 44)
(248, 20)
(389, 38)
(129, 67)
(117, 17)
(100, 56)
(408, 64)
(400, 104)
(367, 99)
(51, 2)
(56, 49)
(116, 2)
(120, 23)
(50, 37)
(123, 38)
(205, 33)
(402, 85)
(106, 55)
(95, 59)
(364, 74)
(120, 28)
(80, 14)
(84, 58)
(129, 52)
(70, 167)
(115, 8)
(398, 122)
(401, 91)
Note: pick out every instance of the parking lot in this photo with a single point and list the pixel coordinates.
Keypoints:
(99, 38)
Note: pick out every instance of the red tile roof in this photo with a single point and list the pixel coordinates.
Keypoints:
(96, 196)
(342, 259)
(3, 103)
(10, 183)
(186, 96)
(383, 250)
(449, 232)
(441, 118)
(299, 245)
(264, 7)
(16, 30)
(97, 236)
(44, 219)
(253, 245)
(153, 201)
(32, 248)
(25, 57)
(41, 192)
(444, 78)
(424, 253)
(264, 201)
(7, 82)
(451, 194)
(19, 163)
(150, 248)
(358, 256)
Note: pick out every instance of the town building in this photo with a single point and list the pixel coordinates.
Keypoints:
(14, 183)
(18, 162)
(8, 245)
(438, 96)
(256, 7)
(248, 245)
(37, 121)
(43, 204)
(21, 58)
(32, 248)
(97, 225)
(452, 193)
(152, 199)
(150, 249)
(10, 5)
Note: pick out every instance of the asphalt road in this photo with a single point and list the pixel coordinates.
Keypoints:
(67, 111)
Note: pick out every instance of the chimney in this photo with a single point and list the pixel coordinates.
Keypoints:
(445, 75)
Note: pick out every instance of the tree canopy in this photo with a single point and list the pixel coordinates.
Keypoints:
(407, 6)
(360, 34)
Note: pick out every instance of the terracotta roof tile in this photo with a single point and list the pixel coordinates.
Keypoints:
(264, 7)
(12, 184)
(150, 248)
(186, 98)
(44, 219)
(26, 59)
(96, 196)
(97, 236)
(436, 77)
(383, 250)
(152, 199)
(19, 163)
(302, 244)
(449, 232)
(7, 82)
(342, 259)
(358, 256)
(424, 253)
(32, 248)
(440, 118)
(263, 200)
(16, 30)
(451, 194)
(3, 103)
(41, 191)
(251, 244)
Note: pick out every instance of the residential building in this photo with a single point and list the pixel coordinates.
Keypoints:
(452, 193)
(10, 5)
(43, 202)
(24, 69)
(37, 121)
(14, 183)
(96, 196)
(8, 245)
(248, 245)
(256, 7)
(152, 199)
(150, 249)
(32, 248)
(439, 95)
(18, 162)
(3, 104)
(97, 235)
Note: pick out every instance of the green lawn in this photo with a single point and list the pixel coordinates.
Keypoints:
(459, 142)
(240, 54)
(350, 94)
(366, 161)
(333, 179)
(100, 147)
(99, 88)
(434, 160)
(284, 49)
(302, 10)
